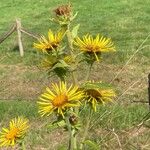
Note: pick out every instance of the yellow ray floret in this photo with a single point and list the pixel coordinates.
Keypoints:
(99, 96)
(53, 41)
(59, 98)
(16, 131)
(95, 45)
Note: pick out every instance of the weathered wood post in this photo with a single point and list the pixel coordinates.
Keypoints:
(18, 23)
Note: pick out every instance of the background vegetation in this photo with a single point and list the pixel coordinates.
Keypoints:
(21, 81)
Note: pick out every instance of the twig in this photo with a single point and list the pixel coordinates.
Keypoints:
(131, 85)
(2, 58)
(139, 101)
(29, 33)
(138, 49)
(117, 137)
(8, 33)
(99, 117)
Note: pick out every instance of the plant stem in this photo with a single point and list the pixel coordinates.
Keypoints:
(71, 140)
(70, 41)
(88, 71)
(88, 120)
(74, 140)
(23, 146)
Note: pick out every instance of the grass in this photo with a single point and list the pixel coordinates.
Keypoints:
(119, 118)
(21, 82)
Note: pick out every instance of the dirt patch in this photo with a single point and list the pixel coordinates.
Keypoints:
(27, 82)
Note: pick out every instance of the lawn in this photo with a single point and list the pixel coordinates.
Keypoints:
(21, 81)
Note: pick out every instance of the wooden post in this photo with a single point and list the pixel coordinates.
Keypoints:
(18, 23)
(149, 90)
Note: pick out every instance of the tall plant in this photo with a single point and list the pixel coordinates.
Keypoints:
(63, 53)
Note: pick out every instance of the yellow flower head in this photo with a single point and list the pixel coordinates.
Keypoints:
(16, 131)
(91, 45)
(99, 96)
(59, 99)
(53, 41)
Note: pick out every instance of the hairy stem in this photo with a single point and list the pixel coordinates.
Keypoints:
(70, 44)
(71, 137)
(88, 71)
(87, 125)
(23, 146)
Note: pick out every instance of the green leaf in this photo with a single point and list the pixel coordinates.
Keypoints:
(75, 31)
(92, 145)
(60, 64)
(56, 124)
(74, 16)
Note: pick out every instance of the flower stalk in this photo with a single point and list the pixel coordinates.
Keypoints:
(23, 145)
(88, 120)
(72, 138)
(88, 71)
(70, 44)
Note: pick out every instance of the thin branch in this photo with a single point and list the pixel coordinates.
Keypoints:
(99, 118)
(138, 49)
(118, 140)
(29, 33)
(8, 33)
(131, 85)
(139, 101)
(2, 58)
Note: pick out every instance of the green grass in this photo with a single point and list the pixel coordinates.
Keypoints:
(21, 82)
(126, 24)
(117, 117)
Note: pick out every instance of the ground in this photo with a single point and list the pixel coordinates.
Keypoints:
(121, 125)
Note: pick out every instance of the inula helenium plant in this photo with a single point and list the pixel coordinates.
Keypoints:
(63, 51)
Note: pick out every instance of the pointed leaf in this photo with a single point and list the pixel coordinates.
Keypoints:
(75, 31)
(92, 145)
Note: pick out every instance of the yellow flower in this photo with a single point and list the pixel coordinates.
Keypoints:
(53, 41)
(59, 99)
(99, 96)
(16, 131)
(91, 45)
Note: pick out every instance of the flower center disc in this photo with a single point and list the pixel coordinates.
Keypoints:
(12, 133)
(60, 100)
(93, 93)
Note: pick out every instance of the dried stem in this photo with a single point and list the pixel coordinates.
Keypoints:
(138, 49)
(8, 33)
(131, 85)
(117, 137)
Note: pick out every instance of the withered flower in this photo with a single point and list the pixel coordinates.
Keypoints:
(63, 10)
